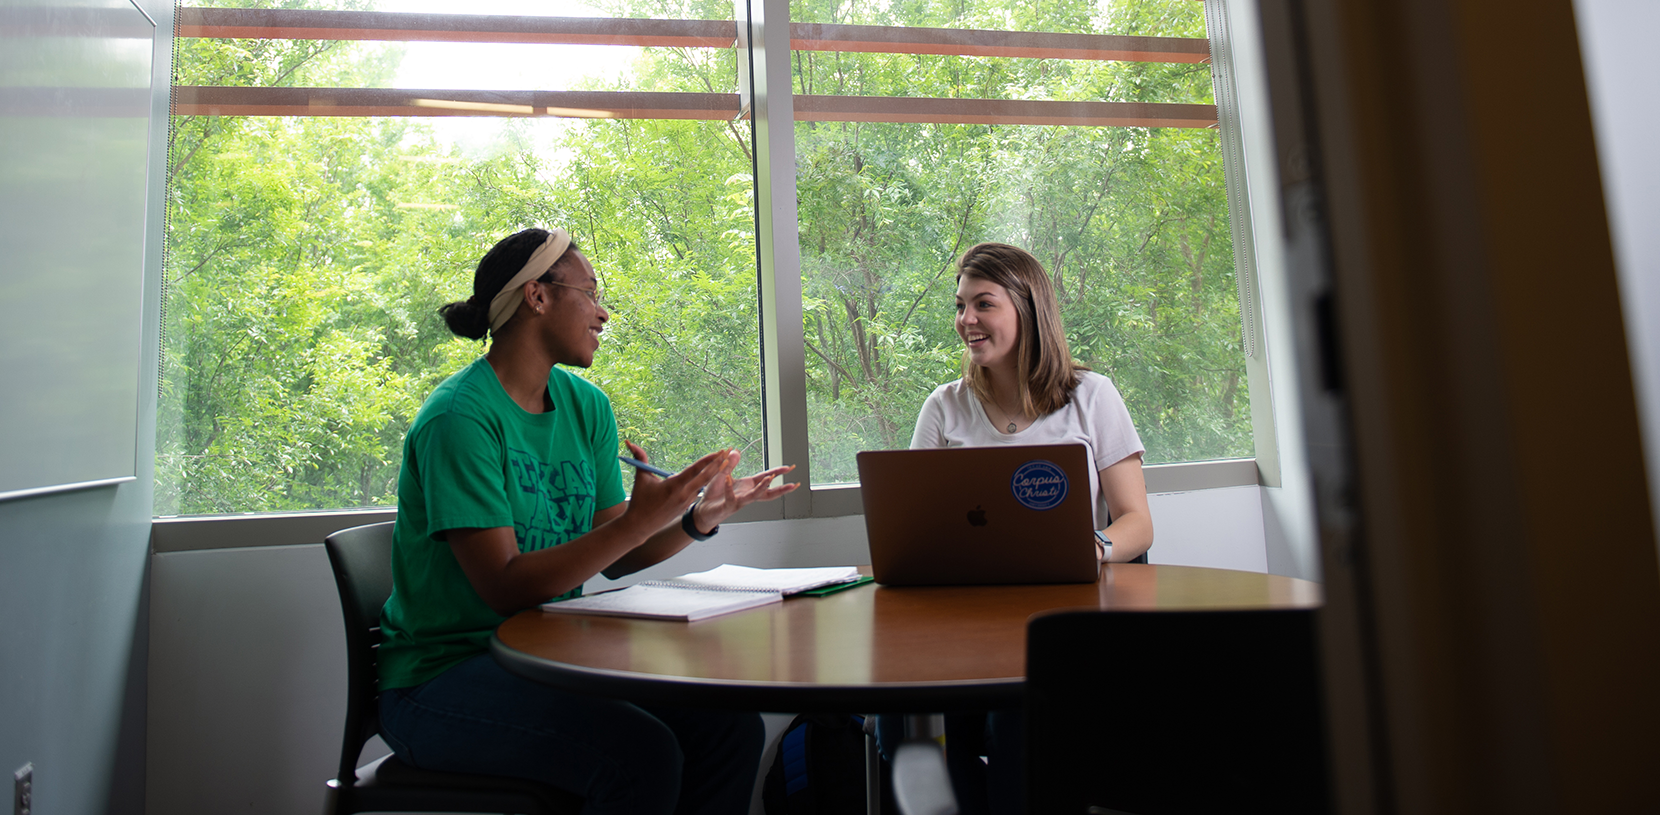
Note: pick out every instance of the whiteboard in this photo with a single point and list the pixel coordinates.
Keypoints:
(75, 100)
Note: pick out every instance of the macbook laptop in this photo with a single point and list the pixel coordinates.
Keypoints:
(970, 515)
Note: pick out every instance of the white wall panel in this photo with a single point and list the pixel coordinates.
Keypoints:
(72, 566)
(75, 119)
(1220, 529)
(1288, 507)
(247, 681)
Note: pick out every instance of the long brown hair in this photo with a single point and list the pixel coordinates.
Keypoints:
(1045, 370)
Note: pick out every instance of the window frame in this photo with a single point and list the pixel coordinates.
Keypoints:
(767, 100)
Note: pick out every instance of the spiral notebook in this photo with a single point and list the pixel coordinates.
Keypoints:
(701, 595)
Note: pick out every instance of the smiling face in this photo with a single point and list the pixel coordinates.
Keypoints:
(574, 319)
(987, 322)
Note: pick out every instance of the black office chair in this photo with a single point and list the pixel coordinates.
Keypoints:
(1174, 712)
(361, 558)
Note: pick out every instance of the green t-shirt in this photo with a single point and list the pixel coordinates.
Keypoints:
(474, 458)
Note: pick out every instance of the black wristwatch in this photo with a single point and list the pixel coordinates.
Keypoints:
(690, 526)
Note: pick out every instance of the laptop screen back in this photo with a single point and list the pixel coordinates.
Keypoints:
(979, 515)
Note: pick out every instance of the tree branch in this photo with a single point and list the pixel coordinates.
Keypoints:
(732, 388)
(956, 249)
(843, 372)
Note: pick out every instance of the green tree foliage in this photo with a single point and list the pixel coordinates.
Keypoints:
(307, 256)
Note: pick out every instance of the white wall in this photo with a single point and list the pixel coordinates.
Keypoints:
(1290, 536)
(1615, 36)
(248, 669)
(1220, 528)
(72, 566)
(247, 680)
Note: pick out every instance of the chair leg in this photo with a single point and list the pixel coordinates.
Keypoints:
(331, 798)
(873, 770)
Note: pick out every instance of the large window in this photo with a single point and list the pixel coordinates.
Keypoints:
(336, 171)
(1083, 132)
(327, 195)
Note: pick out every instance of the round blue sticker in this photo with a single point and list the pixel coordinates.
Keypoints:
(1039, 485)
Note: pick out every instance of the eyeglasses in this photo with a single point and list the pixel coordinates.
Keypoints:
(593, 293)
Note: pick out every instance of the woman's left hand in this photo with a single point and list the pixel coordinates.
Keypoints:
(726, 495)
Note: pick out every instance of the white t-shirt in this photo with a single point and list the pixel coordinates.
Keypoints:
(1096, 418)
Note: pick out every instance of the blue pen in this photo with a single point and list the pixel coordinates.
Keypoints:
(638, 464)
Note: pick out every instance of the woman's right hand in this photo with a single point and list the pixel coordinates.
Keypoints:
(657, 502)
(508, 580)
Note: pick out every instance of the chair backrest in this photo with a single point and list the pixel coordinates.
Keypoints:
(1169, 712)
(361, 558)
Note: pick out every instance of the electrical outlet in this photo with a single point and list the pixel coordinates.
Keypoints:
(23, 790)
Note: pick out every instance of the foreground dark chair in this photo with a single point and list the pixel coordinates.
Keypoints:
(361, 558)
(1169, 713)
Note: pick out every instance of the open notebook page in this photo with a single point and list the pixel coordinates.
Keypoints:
(785, 581)
(656, 601)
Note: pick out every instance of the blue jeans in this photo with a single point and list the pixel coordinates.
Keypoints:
(620, 757)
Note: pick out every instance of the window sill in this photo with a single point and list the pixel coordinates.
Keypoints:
(195, 532)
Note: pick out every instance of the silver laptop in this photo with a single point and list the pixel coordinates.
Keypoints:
(973, 515)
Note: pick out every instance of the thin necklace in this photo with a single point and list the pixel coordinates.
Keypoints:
(1006, 415)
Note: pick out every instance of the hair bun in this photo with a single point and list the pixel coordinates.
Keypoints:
(465, 318)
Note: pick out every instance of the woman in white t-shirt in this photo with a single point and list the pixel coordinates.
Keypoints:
(1020, 386)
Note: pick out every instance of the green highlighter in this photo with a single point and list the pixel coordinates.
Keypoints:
(835, 587)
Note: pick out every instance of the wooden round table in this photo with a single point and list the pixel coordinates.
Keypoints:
(872, 648)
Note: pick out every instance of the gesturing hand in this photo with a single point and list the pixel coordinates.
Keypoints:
(726, 495)
(657, 502)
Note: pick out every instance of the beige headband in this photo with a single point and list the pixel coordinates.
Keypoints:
(506, 302)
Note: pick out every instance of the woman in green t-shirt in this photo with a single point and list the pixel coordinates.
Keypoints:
(509, 496)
